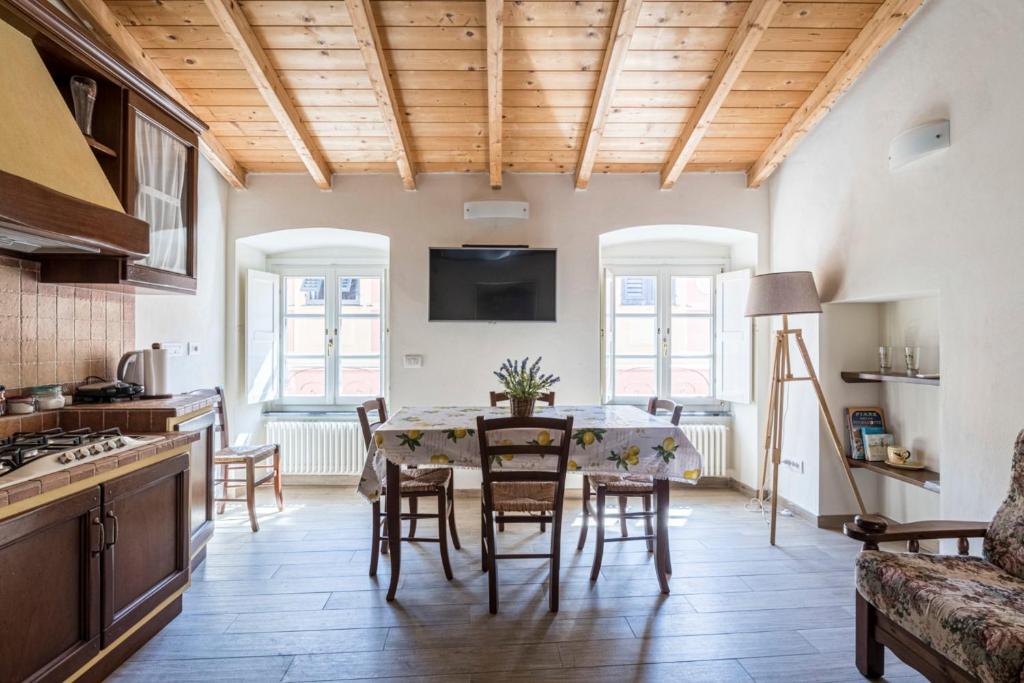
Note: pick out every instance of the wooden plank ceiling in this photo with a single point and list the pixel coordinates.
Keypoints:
(554, 57)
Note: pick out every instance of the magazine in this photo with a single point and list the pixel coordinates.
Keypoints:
(856, 420)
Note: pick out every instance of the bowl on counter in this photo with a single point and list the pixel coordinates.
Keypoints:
(47, 396)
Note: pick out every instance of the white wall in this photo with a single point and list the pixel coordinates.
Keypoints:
(948, 224)
(459, 357)
(198, 319)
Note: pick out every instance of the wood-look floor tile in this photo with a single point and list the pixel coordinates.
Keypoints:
(253, 644)
(821, 668)
(759, 600)
(715, 671)
(657, 625)
(377, 617)
(335, 584)
(551, 631)
(225, 670)
(684, 648)
(799, 580)
(433, 662)
(239, 604)
(295, 602)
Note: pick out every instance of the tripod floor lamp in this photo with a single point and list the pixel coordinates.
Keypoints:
(788, 294)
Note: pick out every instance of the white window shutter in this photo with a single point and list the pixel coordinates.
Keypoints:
(262, 335)
(735, 335)
(607, 330)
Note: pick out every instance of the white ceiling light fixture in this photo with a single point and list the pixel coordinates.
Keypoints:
(918, 142)
(495, 209)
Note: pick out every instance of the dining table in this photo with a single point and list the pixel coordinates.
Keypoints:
(606, 439)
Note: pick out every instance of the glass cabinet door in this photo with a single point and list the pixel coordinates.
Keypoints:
(161, 170)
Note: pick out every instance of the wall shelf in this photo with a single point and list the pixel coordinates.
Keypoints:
(99, 146)
(861, 377)
(926, 479)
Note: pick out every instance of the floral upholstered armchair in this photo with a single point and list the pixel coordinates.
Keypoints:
(952, 617)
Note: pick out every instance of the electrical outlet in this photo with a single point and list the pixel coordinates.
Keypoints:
(174, 349)
(193, 348)
(412, 360)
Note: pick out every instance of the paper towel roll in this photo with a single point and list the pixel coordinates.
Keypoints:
(155, 362)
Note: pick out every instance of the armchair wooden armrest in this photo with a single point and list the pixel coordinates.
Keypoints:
(873, 530)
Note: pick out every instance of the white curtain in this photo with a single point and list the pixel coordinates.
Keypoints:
(161, 162)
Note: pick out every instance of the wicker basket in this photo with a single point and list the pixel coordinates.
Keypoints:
(522, 407)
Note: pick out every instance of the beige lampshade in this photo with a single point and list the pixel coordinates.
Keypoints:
(782, 294)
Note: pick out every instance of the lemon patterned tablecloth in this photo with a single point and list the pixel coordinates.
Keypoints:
(609, 439)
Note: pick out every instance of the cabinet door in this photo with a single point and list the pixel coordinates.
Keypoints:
(161, 189)
(50, 589)
(201, 476)
(145, 559)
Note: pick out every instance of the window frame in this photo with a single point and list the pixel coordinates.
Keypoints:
(332, 272)
(663, 272)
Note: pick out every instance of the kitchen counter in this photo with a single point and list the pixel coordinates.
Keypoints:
(72, 476)
(182, 404)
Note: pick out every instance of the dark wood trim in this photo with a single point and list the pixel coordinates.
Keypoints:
(875, 631)
(912, 477)
(38, 210)
(872, 530)
(47, 27)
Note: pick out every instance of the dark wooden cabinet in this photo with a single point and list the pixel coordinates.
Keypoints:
(146, 554)
(79, 573)
(161, 170)
(50, 588)
(146, 143)
(201, 510)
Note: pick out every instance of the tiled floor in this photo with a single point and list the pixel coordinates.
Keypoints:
(294, 603)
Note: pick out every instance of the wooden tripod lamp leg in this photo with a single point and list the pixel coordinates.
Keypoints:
(780, 411)
(770, 427)
(823, 405)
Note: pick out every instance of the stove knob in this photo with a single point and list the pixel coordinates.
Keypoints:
(96, 450)
(80, 453)
(65, 458)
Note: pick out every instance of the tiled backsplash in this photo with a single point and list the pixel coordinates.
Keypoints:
(59, 333)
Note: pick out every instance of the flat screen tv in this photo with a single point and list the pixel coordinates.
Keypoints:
(492, 284)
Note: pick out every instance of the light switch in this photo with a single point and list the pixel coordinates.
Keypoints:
(412, 360)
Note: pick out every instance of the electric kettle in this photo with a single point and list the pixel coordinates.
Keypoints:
(147, 368)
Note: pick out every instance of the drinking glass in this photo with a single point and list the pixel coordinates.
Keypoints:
(912, 356)
(885, 359)
(83, 96)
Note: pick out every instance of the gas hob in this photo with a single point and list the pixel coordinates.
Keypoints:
(28, 455)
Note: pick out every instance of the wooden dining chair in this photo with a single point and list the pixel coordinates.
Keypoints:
(500, 397)
(518, 492)
(625, 486)
(251, 460)
(435, 482)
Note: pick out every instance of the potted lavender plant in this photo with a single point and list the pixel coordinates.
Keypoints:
(523, 383)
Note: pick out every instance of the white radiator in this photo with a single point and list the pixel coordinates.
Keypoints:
(711, 441)
(309, 447)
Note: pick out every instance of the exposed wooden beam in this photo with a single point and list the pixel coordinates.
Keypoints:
(887, 20)
(110, 29)
(233, 22)
(365, 28)
(495, 40)
(626, 14)
(742, 45)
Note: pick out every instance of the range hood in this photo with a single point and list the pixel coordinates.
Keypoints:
(54, 196)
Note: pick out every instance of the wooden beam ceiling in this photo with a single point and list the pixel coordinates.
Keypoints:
(110, 29)
(233, 22)
(626, 14)
(887, 20)
(741, 47)
(365, 27)
(495, 38)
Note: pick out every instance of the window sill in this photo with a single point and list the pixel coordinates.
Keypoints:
(332, 415)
